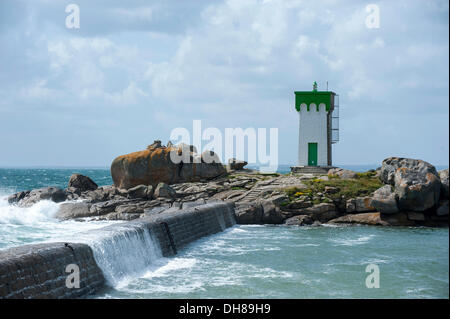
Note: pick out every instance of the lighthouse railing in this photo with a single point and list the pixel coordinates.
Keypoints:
(335, 121)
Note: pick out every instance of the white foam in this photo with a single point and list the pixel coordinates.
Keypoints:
(164, 266)
(42, 211)
(361, 240)
(37, 224)
(236, 230)
(122, 253)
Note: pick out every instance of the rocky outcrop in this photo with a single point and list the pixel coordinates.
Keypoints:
(260, 212)
(359, 205)
(29, 198)
(271, 213)
(156, 164)
(164, 190)
(17, 197)
(397, 219)
(82, 183)
(416, 182)
(297, 204)
(443, 175)
(391, 164)
(363, 219)
(384, 200)
(140, 191)
(73, 211)
(416, 191)
(249, 213)
(299, 220)
(322, 212)
(299, 199)
(101, 194)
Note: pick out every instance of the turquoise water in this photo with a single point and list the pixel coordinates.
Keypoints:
(300, 262)
(34, 224)
(250, 261)
(18, 179)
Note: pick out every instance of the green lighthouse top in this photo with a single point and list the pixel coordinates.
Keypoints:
(314, 96)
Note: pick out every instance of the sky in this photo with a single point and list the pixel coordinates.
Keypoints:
(135, 70)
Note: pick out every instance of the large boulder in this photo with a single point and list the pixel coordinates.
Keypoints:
(170, 165)
(417, 184)
(416, 191)
(443, 175)
(384, 200)
(82, 183)
(391, 164)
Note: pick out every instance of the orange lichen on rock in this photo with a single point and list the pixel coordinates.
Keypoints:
(154, 165)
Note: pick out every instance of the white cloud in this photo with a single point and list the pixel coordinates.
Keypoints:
(232, 63)
(38, 90)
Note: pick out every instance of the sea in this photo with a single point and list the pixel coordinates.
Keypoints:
(244, 261)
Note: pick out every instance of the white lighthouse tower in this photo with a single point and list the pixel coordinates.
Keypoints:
(318, 129)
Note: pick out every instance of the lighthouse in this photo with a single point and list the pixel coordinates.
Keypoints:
(318, 129)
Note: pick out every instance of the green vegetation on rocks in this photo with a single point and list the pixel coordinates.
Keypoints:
(336, 188)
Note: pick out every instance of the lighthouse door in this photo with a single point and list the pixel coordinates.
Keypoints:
(312, 154)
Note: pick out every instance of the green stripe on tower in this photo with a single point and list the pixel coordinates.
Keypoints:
(315, 97)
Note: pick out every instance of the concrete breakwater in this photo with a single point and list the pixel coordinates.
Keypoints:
(106, 255)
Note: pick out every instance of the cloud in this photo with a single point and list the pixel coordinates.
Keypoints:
(130, 74)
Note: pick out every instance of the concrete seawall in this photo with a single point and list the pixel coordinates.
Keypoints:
(39, 271)
(188, 225)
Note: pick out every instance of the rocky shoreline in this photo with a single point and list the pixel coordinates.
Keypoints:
(402, 192)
